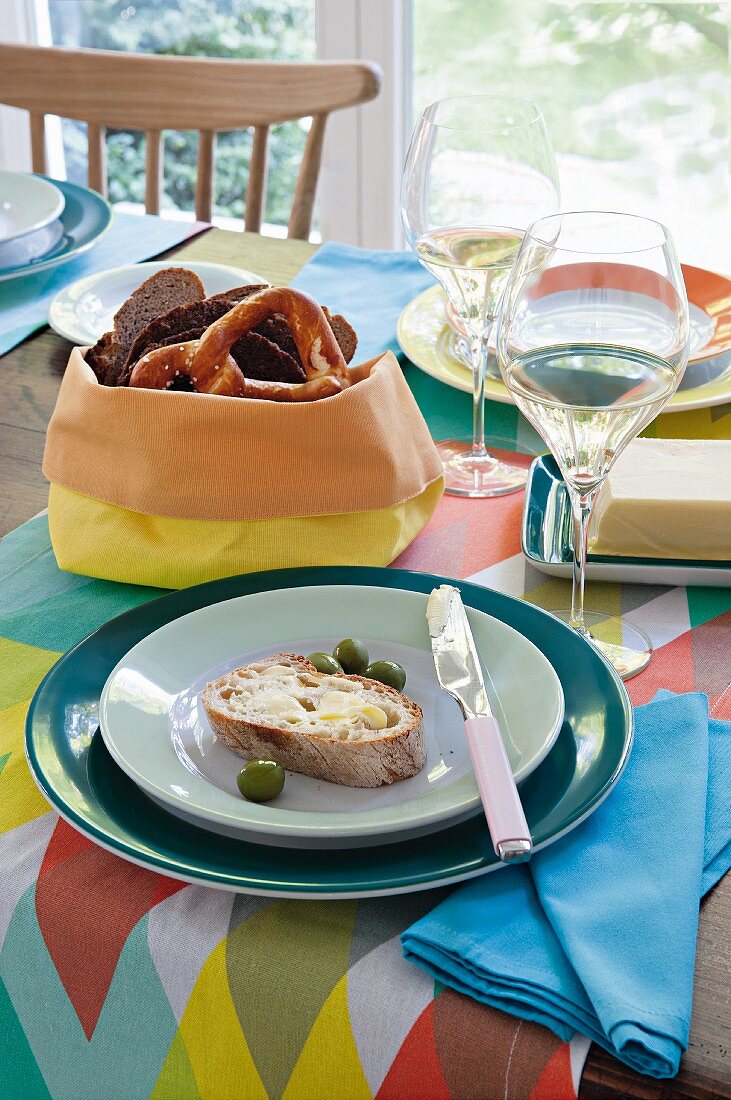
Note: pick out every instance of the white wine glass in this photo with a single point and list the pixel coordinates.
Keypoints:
(478, 171)
(592, 341)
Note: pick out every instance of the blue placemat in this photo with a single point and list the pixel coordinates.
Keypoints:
(368, 286)
(130, 239)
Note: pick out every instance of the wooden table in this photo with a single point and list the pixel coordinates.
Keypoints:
(29, 379)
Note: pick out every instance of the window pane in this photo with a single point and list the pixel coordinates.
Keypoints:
(281, 29)
(635, 96)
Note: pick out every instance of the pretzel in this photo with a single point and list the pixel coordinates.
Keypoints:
(211, 369)
(158, 369)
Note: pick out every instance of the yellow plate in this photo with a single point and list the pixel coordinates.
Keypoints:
(427, 340)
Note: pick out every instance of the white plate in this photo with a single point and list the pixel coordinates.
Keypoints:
(84, 311)
(154, 727)
(27, 203)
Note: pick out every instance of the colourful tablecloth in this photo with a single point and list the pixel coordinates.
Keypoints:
(118, 983)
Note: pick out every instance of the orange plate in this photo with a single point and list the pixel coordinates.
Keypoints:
(711, 293)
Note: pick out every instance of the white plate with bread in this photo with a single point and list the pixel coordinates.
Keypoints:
(85, 310)
(383, 765)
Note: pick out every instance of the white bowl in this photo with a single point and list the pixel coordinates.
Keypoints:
(27, 203)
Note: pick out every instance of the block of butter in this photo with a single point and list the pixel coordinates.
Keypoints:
(666, 498)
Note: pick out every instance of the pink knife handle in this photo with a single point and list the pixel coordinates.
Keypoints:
(505, 818)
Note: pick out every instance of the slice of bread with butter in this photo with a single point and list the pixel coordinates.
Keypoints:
(342, 729)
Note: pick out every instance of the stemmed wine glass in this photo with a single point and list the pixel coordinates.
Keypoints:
(478, 171)
(592, 342)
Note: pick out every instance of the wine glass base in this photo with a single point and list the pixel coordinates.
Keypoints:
(467, 474)
(626, 648)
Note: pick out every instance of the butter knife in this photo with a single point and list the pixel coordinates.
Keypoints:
(460, 675)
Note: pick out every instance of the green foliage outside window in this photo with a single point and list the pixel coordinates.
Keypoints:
(612, 77)
(281, 29)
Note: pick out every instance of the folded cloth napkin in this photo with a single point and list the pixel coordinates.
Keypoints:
(368, 286)
(597, 934)
(130, 239)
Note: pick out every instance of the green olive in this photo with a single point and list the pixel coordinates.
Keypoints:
(387, 672)
(352, 655)
(323, 662)
(260, 780)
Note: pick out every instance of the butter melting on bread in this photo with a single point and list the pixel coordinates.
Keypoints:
(341, 729)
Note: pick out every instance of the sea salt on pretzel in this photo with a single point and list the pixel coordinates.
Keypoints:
(211, 369)
(159, 370)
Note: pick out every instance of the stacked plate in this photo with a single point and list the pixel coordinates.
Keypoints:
(155, 785)
(46, 222)
(430, 334)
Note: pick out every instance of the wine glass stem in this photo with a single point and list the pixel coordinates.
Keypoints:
(581, 507)
(478, 351)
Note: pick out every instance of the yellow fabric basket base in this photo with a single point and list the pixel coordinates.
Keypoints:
(103, 540)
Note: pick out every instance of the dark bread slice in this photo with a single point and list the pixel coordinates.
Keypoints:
(261, 358)
(171, 286)
(101, 356)
(167, 327)
(276, 329)
(165, 289)
(268, 352)
(343, 332)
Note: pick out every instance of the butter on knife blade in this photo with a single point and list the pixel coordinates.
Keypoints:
(666, 498)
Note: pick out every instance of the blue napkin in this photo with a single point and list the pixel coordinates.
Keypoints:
(597, 934)
(368, 286)
(131, 238)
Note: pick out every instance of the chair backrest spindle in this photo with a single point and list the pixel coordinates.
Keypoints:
(153, 170)
(38, 142)
(257, 186)
(205, 178)
(97, 169)
(300, 219)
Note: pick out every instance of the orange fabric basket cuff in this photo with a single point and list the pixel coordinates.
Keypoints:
(198, 456)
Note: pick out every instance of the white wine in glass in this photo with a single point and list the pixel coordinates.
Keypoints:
(592, 342)
(474, 263)
(478, 171)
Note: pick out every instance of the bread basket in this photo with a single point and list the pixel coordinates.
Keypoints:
(170, 489)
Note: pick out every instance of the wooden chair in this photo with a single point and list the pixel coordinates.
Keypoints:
(154, 93)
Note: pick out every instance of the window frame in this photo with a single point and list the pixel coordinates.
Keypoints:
(362, 158)
(365, 146)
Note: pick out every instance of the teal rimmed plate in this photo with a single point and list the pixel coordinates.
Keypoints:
(78, 776)
(547, 542)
